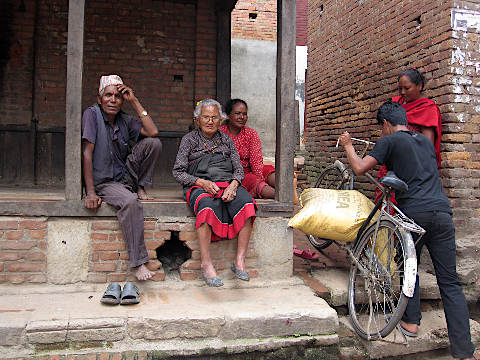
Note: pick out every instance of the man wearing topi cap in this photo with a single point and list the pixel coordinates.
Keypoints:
(117, 165)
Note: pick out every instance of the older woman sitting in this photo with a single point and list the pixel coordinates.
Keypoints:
(208, 166)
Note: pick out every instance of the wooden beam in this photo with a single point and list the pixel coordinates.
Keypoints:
(73, 169)
(285, 122)
(224, 49)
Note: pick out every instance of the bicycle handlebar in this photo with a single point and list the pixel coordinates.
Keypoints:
(355, 139)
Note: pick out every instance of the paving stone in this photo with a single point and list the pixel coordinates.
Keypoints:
(47, 325)
(336, 281)
(186, 328)
(254, 325)
(79, 324)
(47, 337)
(108, 334)
(11, 334)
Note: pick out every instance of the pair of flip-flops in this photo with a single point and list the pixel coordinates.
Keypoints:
(114, 294)
(305, 254)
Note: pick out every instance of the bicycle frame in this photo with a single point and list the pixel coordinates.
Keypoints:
(405, 225)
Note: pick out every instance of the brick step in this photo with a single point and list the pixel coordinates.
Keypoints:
(191, 320)
(336, 281)
(432, 336)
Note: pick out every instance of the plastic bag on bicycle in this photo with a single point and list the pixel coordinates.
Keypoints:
(332, 214)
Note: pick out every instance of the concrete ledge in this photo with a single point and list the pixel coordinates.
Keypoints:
(194, 321)
(151, 208)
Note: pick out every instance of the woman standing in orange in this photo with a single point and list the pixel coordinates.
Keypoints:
(423, 114)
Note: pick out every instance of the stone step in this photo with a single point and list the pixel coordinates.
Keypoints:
(171, 318)
(336, 281)
(432, 336)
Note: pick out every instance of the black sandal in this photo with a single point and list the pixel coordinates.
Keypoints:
(112, 295)
(130, 294)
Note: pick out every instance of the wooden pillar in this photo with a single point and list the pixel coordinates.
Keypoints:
(224, 48)
(73, 168)
(285, 122)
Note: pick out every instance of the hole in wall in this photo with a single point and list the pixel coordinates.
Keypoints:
(178, 78)
(252, 16)
(418, 21)
(173, 253)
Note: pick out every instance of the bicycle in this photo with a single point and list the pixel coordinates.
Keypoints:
(383, 264)
(336, 177)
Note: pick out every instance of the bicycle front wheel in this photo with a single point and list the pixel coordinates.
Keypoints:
(376, 302)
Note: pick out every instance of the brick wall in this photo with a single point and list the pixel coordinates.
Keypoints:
(23, 251)
(155, 53)
(356, 51)
(255, 20)
(302, 15)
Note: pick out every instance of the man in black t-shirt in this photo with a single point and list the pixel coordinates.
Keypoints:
(412, 157)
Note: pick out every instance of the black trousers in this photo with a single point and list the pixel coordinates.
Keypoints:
(440, 242)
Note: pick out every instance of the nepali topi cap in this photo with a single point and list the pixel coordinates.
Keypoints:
(108, 80)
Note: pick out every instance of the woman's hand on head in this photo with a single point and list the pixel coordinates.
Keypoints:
(230, 192)
(209, 186)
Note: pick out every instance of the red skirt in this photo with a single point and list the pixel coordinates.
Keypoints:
(254, 184)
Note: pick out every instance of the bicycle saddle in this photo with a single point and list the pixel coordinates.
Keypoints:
(391, 180)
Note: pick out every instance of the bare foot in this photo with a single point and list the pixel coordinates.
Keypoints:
(413, 328)
(143, 273)
(142, 194)
(209, 270)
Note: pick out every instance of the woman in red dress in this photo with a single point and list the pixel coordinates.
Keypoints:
(423, 114)
(259, 179)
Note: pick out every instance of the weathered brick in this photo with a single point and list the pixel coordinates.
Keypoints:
(37, 234)
(153, 244)
(26, 267)
(149, 225)
(10, 256)
(17, 245)
(108, 246)
(97, 277)
(99, 236)
(15, 278)
(36, 278)
(104, 267)
(36, 256)
(14, 234)
(105, 225)
(33, 224)
(187, 235)
(117, 277)
(8, 224)
(191, 265)
(165, 235)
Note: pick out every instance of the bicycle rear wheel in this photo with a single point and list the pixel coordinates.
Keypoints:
(330, 178)
(376, 302)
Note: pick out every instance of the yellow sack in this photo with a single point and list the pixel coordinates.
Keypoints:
(332, 214)
(383, 246)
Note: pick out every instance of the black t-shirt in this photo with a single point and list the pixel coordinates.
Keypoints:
(412, 157)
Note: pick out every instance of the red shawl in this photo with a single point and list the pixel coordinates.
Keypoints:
(421, 112)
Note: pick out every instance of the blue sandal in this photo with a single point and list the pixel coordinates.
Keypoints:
(130, 294)
(112, 295)
(242, 275)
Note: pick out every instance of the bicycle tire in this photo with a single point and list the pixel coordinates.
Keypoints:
(377, 317)
(330, 178)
